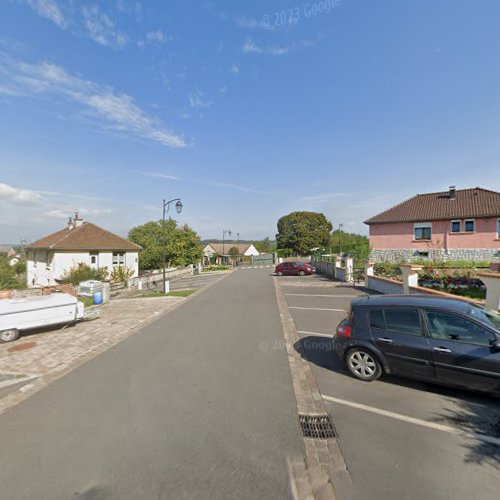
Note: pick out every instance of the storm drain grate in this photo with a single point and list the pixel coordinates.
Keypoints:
(316, 426)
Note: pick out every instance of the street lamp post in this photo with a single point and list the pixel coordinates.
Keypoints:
(341, 226)
(224, 232)
(166, 208)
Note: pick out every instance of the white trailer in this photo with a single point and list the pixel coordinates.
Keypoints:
(17, 315)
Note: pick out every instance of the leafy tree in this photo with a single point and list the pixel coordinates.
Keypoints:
(234, 253)
(182, 244)
(357, 245)
(8, 277)
(265, 245)
(20, 266)
(302, 231)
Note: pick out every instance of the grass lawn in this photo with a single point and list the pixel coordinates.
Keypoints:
(174, 293)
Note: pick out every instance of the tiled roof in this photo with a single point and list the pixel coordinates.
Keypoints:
(218, 247)
(468, 203)
(86, 236)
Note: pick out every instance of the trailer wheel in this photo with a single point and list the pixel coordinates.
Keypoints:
(9, 335)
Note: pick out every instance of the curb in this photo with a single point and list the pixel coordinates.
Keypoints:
(324, 458)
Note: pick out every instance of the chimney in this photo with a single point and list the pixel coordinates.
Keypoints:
(77, 221)
(70, 223)
(453, 193)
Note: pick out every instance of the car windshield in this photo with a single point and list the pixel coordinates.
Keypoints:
(486, 315)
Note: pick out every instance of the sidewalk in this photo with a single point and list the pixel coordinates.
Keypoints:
(49, 354)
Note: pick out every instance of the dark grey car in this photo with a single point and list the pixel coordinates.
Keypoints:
(449, 341)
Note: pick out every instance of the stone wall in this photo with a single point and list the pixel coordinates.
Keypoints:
(440, 255)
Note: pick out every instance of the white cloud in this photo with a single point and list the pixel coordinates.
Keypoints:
(160, 176)
(115, 111)
(196, 100)
(157, 37)
(223, 90)
(226, 185)
(250, 47)
(48, 9)
(247, 22)
(234, 69)
(237, 187)
(72, 195)
(18, 196)
(66, 213)
(101, 28)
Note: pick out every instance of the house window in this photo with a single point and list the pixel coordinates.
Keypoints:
(423, 231)
(118, 259)
(455, 226)
(469, 226)
(498, 228)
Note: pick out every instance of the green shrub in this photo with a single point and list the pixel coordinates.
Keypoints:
(121, 274)
(83, 272)
(215, 268)
(387, 269)
(9, 279)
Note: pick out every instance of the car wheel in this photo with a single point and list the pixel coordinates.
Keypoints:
(363, 364)
(280, 273)
(9, 335)
(302, 273)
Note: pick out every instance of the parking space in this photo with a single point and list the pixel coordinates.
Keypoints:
(395, 433)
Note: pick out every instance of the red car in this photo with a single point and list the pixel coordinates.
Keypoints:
(294, 269)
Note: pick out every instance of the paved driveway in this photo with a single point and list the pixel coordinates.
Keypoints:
(400, 438)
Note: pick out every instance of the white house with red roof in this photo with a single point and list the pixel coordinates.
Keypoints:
(81, 242)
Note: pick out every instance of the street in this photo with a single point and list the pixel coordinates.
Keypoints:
(189, 407)
(200, 404)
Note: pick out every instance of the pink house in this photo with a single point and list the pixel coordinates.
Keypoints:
(459, 224)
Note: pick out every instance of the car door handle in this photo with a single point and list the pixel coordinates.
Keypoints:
(385, 339)
(441, 349)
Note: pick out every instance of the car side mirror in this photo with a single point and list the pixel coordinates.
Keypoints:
(495, 344)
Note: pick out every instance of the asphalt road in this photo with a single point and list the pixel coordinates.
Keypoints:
(196, 281)
(390, 430)
(188, 408)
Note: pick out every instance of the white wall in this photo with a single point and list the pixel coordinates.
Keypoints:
(45, 273)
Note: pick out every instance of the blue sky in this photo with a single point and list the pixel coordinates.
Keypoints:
(245, 110)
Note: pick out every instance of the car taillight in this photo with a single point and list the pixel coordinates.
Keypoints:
(344, 331)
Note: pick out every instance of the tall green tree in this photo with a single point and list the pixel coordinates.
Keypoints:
(182, 244)
(265, 245)
(302, 231)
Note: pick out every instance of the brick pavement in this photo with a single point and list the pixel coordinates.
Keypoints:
(56, 352)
